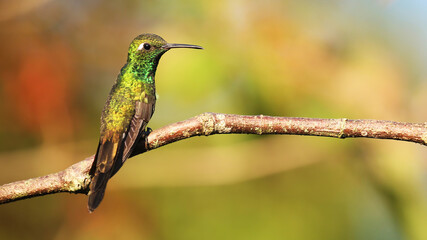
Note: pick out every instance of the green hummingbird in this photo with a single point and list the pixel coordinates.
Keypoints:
(128, 110)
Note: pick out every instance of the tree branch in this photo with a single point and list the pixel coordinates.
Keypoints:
(75, 179)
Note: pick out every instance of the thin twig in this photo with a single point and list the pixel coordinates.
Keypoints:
(76, 179)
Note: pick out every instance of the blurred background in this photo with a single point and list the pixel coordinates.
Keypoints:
(324, 59)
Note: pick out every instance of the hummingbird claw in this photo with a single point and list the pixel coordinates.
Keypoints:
(146, 133)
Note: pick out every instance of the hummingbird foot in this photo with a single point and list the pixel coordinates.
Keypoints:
(146, 133)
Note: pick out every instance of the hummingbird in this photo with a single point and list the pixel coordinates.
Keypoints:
(128, 110)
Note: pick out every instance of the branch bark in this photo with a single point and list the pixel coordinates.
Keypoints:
(75, 179)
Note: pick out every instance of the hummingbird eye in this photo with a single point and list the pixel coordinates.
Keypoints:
(145, 46)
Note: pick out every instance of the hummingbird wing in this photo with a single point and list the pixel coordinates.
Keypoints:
(143, 113)
(114, 150)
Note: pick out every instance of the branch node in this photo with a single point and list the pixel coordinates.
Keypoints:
(208, 123)
(76, 178)
(343, 126)
(220, 124)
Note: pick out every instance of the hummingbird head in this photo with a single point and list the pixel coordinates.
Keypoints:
(148, 48)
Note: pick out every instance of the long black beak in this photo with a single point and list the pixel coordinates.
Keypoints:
(178, 45)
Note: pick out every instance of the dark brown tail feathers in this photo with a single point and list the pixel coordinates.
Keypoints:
(106, 163)
(97, 190)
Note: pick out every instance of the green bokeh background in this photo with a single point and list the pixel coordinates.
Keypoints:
(324, 59)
